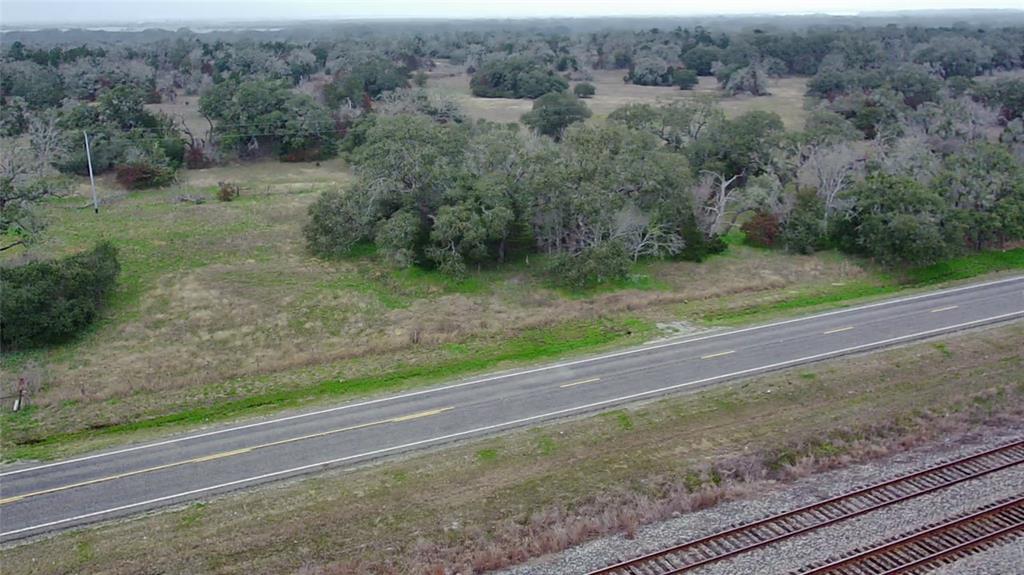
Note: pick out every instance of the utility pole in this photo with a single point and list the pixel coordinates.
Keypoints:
(92, 180)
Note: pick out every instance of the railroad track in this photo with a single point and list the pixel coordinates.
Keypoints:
(743, 538)
(928, 548)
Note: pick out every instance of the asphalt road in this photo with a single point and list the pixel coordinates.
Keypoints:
(62, 494)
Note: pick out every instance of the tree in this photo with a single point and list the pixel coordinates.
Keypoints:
(13, 117)
(802, 231)
(24, 185)
(685, 79)
(650, 70)
(514, 77)
(900, 222)
(584, 90)
(39, 86)
(830, 169)
(956, 56)
(985, 187)
(712, 197)
(700, 58)
(260, 115)
(744, 145)
(366, 79)
(752, 79)
(609, 184)
(471, 226)
(554, 112)
(916, 83)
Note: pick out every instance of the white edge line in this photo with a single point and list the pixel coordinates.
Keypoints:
(512, 423)
(504, 376)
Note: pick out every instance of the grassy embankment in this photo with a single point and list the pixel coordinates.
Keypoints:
(497, 501)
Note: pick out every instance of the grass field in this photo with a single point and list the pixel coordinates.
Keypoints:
(492, 502)
(786, 99)
(221, 313)
(220, 302)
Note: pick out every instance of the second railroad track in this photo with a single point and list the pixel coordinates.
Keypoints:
(767, 531)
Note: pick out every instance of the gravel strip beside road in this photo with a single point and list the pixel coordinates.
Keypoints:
(801, 550)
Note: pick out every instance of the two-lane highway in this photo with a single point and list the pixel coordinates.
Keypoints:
(35, 499)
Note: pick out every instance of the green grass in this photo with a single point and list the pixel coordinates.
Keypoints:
(485, 455)
(967, 267)
(533, 345)
(960, 268)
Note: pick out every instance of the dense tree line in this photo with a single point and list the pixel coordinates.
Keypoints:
(898, 161)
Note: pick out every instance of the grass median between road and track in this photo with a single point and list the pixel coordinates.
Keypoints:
(496, 501)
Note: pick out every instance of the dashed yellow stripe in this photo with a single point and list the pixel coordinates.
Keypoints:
(575, 383)
(223, 454)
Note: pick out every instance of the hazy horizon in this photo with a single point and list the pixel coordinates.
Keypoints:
(69, 13)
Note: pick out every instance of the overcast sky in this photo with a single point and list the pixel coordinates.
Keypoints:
(20, 12)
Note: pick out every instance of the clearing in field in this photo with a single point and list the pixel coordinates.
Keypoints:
(786, 99)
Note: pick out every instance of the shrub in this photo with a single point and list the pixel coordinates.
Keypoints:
(143, 170)
(584, 90)
(141, 175)
(602, 263)
(48, 302)
(227, 191)
(683, 78)
(335, 225)
(762, 230)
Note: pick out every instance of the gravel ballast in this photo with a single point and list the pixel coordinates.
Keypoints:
(833, 540)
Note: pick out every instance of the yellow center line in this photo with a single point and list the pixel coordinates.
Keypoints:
(947, 308)
(591, 380)
(719, 354)
(223, 454)
(838, 330)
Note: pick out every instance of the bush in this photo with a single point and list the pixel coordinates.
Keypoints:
(683, 78)
(227, 191)
(143, 170)
(335, 225)
(762, 230)
(142, 174)
(605, 262)
(584, 90)
(51, 301)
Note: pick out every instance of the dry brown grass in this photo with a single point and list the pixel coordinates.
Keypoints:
(786, 99)
(544, 489)
(221, 300)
